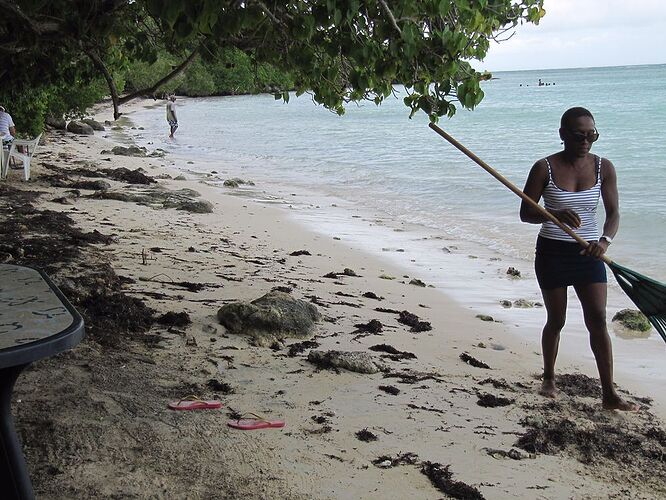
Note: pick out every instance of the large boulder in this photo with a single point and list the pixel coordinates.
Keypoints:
(94, 124)
(630, 323)
(56, 123)
(270, 318)
(76, 127)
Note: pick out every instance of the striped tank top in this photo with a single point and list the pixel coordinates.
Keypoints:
(584, 203)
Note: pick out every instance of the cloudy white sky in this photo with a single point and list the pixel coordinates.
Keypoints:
(585, 33)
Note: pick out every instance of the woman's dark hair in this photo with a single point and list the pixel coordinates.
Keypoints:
(573, 113)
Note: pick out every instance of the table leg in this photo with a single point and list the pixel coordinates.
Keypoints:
(14, 476)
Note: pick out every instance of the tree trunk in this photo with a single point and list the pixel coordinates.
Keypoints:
(151, 90)
(109, 80)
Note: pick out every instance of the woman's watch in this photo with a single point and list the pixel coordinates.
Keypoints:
(608, 239)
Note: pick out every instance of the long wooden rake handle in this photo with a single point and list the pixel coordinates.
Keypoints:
(517, 191)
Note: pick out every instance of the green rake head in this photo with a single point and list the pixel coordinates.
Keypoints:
(649, 295)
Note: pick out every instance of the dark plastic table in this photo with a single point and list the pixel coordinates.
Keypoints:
(36, 322)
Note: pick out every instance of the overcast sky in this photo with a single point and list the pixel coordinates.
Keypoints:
(585, 33)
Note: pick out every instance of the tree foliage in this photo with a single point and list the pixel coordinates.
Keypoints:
(344, 50)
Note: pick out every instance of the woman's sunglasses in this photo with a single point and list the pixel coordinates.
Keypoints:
(578, 137)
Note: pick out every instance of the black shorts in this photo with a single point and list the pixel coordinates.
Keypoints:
(559, 264)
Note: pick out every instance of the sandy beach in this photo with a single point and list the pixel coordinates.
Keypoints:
(452, 410)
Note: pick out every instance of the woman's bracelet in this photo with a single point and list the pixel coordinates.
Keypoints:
(608, 239)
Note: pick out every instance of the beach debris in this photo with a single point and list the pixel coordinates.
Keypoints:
(442, 478)
(217, 386)
(188, 285)
(98, 185)
(413, 377)
(470, 360)
(634, 442)
(491, 401)
(343, 294)
(392, 353)
(372, 326)
(425, 408)
(411, 319)
(123, 174)
(506, 304)
(386, 277)
(272, 317)
(513, 454)
(497, 384)
(174, 319)
(417, 282)
(372, 295)
(107, 310)
(236, 182)
(320, 419)
(346, 272)
(389, 389)
(324, 429)
(523, 304)
(354, 361)
(129, 151)
(299, 252)
(366, 436)
(277, 345)
(280, 288)
(633, 320)
(63, 200)
(385, 310)
(577, 384)
(386, 461)
(192, 206)
(180, 177)
(513, 272)
(77, 127)
(159, 198)
(301, 347)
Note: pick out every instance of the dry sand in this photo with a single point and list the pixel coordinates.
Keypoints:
(95, 423)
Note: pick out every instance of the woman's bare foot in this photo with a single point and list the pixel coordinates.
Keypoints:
(617, 403)
(548, 388)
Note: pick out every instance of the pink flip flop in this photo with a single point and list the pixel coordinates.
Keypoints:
(194, 403)
(249, 424)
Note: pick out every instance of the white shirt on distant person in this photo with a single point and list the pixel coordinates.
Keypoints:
(6, 123)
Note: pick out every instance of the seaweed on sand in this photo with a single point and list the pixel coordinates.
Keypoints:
(442, 478)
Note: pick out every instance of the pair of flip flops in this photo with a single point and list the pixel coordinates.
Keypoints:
(242, 423)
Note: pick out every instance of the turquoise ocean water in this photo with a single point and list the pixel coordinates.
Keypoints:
(382, 166)
(378, 158)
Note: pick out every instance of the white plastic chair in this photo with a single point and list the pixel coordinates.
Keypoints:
(28, 146)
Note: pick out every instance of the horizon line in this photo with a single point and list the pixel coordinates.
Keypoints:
(575, 67)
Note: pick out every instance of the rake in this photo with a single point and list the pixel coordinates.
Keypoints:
(649, 295)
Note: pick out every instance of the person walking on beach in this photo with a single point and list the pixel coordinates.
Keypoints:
(571, 183)
(171, 117)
